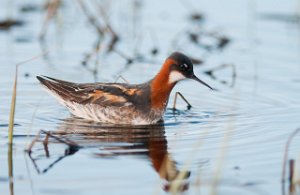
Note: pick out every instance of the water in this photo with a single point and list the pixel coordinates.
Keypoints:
(230, 142)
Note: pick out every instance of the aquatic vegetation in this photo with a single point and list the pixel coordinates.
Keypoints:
(12, 109)
(9, 23)
(11, 123)
(228, 142)
(291, 165)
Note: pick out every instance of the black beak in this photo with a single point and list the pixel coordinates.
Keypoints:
(197, 79)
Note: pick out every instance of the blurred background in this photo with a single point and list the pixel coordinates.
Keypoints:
(241, 139)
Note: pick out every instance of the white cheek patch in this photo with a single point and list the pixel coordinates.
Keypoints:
(175, 76)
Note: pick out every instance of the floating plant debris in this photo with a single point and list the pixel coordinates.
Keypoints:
(9, 23)
(290, 18)
(197, 17)
(30, 8)
(154, 51)
(223, 42)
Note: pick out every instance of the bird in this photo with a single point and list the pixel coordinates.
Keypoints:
(123, 103)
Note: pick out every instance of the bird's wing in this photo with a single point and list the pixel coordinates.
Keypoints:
(104, 94)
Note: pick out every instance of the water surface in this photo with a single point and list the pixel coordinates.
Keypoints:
(230, 142)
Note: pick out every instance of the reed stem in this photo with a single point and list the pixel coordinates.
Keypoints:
(12, 109)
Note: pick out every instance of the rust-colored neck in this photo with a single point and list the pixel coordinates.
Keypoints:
(160, 86)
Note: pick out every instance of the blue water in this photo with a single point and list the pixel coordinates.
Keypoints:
(230, 142)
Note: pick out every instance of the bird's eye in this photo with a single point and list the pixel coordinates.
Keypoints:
(183, 66)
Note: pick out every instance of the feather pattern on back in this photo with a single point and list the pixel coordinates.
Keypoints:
(105, 102)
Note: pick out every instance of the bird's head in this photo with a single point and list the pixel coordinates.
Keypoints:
(180, 67)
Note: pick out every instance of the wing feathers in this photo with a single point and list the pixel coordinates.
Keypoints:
(112, 94)
(65, 90)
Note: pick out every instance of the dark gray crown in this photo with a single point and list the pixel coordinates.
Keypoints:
(180, 58)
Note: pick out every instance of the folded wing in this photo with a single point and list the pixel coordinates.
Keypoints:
(103, 94)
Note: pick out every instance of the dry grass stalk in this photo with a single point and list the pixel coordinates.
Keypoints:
(122, 78)
(13, 99)
(94, 22)
(285, 158)
(46, 140)
(12, 109)
(52, 8)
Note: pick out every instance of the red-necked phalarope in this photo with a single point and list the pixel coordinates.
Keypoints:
(121, 103)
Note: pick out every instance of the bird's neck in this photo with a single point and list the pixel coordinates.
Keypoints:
(161, 89)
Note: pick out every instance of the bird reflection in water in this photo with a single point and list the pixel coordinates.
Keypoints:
(112, 141)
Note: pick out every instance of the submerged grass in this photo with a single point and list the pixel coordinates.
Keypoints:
(10, 169)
